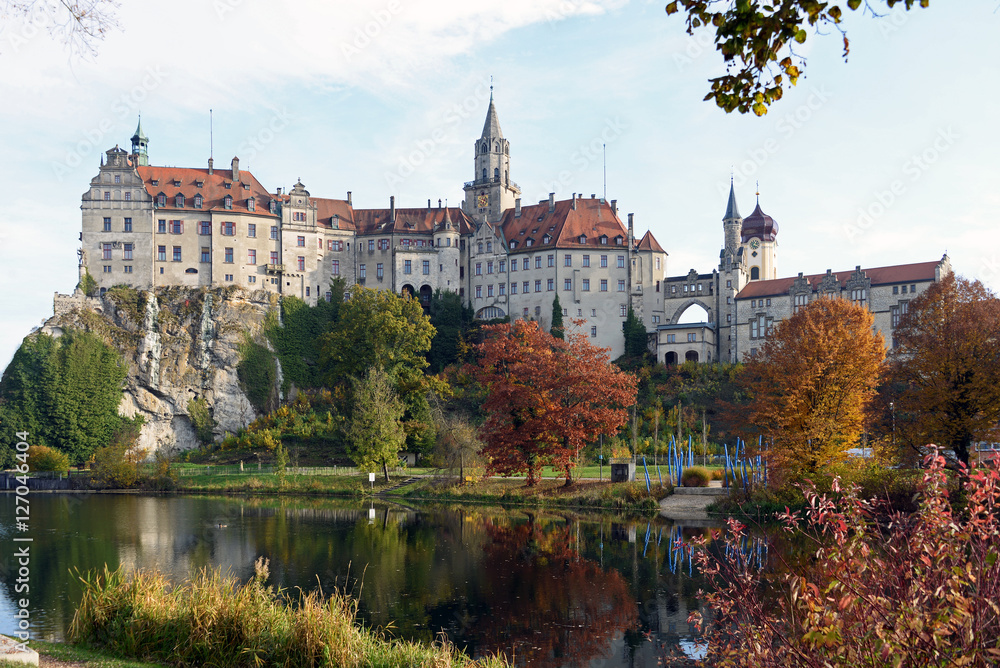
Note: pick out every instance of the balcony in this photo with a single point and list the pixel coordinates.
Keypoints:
(490, 181)
(274, 268)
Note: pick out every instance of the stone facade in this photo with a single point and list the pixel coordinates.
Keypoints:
(150, 227)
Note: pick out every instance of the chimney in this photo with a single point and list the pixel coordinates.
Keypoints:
(211, 164)
(428, 203)
(593, 195)
(552, 202)
(614, 206)
(349, 197)
(517, 207)
(236, 170)
(392, 208)
(439, 202)
(278, 191)
(574, 201)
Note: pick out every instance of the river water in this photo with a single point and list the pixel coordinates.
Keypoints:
(547, 588)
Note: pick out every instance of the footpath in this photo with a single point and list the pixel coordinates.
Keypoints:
(689, 504)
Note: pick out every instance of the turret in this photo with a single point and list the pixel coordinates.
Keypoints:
(732, 223)
(140, 146)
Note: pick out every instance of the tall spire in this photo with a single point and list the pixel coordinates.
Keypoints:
(140, 144)
(732, 211)
(491, 128)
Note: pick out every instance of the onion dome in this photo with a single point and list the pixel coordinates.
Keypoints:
(759, 224)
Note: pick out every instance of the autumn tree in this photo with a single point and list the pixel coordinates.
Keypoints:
(946, 364)
(375, 433)
(546, 397)
(757, 42)
(811, 384)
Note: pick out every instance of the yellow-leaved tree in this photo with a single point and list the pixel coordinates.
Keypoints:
(811, 385)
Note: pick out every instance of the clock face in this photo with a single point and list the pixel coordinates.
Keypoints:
(755, 244)
(483, 200)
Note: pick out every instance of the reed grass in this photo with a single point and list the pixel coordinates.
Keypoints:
(212, 620)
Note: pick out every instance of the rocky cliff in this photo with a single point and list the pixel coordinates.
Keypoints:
(179, 344)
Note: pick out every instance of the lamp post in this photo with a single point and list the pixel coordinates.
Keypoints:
(892, 409)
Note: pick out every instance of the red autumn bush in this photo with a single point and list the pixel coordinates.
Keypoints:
(893, 590)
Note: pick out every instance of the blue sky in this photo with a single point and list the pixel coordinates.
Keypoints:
(888, 158)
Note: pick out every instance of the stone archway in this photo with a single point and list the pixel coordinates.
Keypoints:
(425, 296)
(691, 356)
(407, 291)
(670, 358)
(694, 301)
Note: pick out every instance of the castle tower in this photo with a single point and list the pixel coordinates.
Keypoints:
(140, 147)
(759, 238)
(732, 223)
(491, 191)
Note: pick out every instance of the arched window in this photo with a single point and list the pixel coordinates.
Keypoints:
(484, 173)
(496, 173)
(485, 147)
(691, 356)
(755, 273)
(670, 358)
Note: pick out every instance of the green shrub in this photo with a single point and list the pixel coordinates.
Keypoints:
(87, 284)
(44, 458)
(116, 466)
(201, 419)
(695, 476)
(258, 375)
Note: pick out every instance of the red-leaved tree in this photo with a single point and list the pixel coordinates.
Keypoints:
(546, 398)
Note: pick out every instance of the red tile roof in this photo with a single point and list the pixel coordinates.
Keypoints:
(326, 209)
(649, 242)
(900, 273)
(565, 225)
(409, 221)
(213, 189)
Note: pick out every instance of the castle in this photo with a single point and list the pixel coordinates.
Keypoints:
(148, 226)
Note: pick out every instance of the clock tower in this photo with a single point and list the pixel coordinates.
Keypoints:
(759, 236)
(491, 191)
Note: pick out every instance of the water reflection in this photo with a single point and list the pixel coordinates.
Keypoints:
(546, 589)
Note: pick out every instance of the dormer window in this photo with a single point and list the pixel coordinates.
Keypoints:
(161, 200)
(228, 185)
(529, 242)
(618, 240)
(251, 204)
(229, 201)
(273, 206)
(154, 182)
(546, 239)
(513, 243)
(583, 238)
(604, 240)
(246, 186)
(199, 184)
(179, 201)
(198, 201)
(177, 183)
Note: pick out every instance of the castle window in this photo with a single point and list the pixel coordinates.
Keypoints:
(524, 264)
(334, 267)
(299, 216)
(489, 267)
(228, 229)
(128, 224)
(657, 286)
(273, 206)
(604, 285)
(586, 285)
(161, 200)
(179, 201)
(913, 288)
(529, 242)
(754, 273)
(800, 301)
(484, 173)
(604, 261)
(206, 254)
(657, 264)
(538, 262)
(895, 289)
(251, 256)
(621, 285)
(301, 263)
(229, 256)
(479, 269)
(538, 285)
(177, 253)
(593, 331)
(621, 261)
(692, 337)
(551, 260)
(604, 240)
(503, 266)
(161, 254)
(567, 284)
(274, 258)
(546, 239)
(361, 271)
(496, 173)
(229, 201)
(538, 310)
(479, 292)
(407, 266)
(489, 246)
(274, 231)
(480, 247)
(128, 195)
(118, 178)
(513, 244)
(176, 227)
(106, 251)
(489, 290)
(618, 240)
(229, 278)
(107, 195)
(107, 224)
(623, 310)
(768, 301)
(379, 271)
(859, 296)
(513, 288)
(583, 238)
(502, 288)
(198, 200)
(567, 260)
(550, 285)
(586, 260)
(251, 204)
(300, 241)
(127, 251)
(252, 230)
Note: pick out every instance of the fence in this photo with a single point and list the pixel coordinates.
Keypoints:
(188, 471)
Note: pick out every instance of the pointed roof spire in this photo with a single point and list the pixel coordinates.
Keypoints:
(139, 135)
(732, 211)
(491, 128)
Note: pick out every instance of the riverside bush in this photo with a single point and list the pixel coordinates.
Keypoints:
(44, 458)
(213, 620)
(695, 476)
(918, 590)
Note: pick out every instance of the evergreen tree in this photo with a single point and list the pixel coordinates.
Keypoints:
(635, 335)
(451, 319)
(557, 319)
(375, 433)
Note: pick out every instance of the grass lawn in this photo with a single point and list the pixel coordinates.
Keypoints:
(60, 655)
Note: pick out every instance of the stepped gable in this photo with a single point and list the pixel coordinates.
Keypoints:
(900, 273)
(649, 243)
(409, 221)
(564, 226)
(162, 180)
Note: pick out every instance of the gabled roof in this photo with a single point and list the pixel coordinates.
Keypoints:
(900, 273)
(649, 243)
(326, 209)
(565, 225)
(409, 221)
(213, 189)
